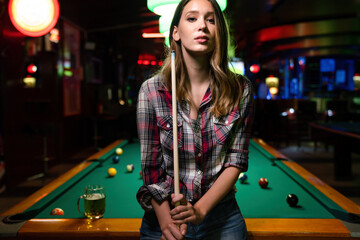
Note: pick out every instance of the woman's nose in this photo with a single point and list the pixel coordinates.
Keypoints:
(202, 24)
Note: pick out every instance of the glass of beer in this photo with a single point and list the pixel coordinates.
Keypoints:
(94, 202)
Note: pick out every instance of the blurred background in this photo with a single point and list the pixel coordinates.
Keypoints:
(71, 89)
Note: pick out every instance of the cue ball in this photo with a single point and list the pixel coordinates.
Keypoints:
(292, 200)
(118, 151)
(130, 167)
(57, 211)
(242, 177)
(116, 159)
(111, 172)
(263, 182)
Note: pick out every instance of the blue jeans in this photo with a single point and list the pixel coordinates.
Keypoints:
(224, 222)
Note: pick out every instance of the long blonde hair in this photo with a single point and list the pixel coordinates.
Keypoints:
(226, 88)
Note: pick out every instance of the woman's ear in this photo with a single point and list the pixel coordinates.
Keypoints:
(175, 34)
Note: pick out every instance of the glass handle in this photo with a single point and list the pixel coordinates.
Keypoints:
(78, 203)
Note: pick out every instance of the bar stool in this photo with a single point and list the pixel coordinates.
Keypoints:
(44, 130)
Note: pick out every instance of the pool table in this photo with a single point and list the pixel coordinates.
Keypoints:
(322, 212)
(345, 137)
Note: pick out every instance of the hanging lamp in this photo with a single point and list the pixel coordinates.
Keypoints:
(34, 18)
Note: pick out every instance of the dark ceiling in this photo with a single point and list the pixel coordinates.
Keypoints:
(247, 17)
(108, 15)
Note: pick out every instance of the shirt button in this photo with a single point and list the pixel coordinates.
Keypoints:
(226, 122)
(199, 154)
(168, 125)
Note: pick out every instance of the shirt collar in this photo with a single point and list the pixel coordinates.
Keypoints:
(207, 97)
(162, 86)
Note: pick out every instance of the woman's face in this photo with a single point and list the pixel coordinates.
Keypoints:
(196, 28)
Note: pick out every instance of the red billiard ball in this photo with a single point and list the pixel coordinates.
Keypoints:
(57, 211)
(140, 173)
(263, 182)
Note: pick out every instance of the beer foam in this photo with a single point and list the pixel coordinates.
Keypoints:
(95, 196)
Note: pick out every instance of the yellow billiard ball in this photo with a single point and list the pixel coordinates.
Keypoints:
(111, 172)
(119, 151)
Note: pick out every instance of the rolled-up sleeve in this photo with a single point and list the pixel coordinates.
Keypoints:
(238, 152)
(157, 184)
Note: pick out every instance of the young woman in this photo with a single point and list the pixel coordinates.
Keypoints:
(214, 120)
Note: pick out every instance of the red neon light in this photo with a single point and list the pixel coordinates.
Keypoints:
(254, 68)
(31, 69)
(147, 56)
(34, 23)
(149, 62)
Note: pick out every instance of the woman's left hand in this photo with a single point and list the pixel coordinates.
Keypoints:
(185, 212)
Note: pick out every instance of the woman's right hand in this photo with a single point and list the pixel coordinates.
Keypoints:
(171, 231)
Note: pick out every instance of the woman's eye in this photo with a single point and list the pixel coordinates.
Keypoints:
(211, 20)
(191, 19)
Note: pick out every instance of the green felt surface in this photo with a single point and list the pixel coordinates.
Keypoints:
(254, 201)
(120, 190)
(271, 202)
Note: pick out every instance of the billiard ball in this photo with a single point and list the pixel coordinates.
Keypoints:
(111, 172)
(116, 159)
(57, 211)
(130, 167)
(242, 177)
(140, 173)
(119, 151)
(292, 200)
(263, 182)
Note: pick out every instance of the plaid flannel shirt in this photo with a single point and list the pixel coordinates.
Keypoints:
(206, 145)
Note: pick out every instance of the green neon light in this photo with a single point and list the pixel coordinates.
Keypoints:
(356, 100)
(222, 4)
(68, 73)
(165, 22)
(162, 7)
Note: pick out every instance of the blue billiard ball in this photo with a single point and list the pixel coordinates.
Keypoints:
(116, 159)
(242, 177)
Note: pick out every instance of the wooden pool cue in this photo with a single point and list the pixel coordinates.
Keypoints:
(175, 132)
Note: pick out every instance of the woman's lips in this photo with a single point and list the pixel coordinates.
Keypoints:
(202, 39)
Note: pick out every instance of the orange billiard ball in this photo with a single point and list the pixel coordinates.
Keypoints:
(57, 211)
